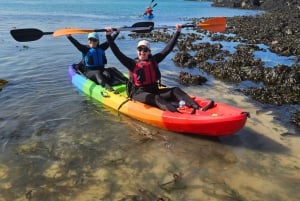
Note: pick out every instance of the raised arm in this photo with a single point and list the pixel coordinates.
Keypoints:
(105, 45)
(82, 48)
(126, 61)
(170, 45)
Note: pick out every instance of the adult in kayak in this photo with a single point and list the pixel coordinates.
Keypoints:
(144, 74)
(148, 12)
(93, 58)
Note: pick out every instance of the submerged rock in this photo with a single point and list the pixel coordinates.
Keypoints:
(189, 79)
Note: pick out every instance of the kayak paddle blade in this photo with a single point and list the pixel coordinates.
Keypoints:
(29, 34)
(216, 24)
(142, 27)
(70, 31)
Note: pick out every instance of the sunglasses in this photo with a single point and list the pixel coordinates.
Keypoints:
(93, 39)
(144, 49)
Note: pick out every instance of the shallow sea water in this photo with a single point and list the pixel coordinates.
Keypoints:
(56, 144)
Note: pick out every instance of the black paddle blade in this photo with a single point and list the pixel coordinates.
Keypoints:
(29, 34)
(146, 27)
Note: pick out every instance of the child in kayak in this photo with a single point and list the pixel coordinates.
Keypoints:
(144, 75)
(93, 58)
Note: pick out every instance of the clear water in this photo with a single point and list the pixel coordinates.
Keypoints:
(56, 144)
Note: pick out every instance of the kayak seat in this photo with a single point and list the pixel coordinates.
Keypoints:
(114, 76)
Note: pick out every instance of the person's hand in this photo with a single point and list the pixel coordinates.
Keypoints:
(108, 31)
(178, 27)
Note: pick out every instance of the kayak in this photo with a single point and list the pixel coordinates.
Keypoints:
(149, 17)
(219, 120)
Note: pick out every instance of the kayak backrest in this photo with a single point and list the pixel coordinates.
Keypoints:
(114, 76)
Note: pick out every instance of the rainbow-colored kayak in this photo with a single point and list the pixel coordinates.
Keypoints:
(219, 120)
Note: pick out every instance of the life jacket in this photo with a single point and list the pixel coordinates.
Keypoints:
(148, 11)
(145, 73)
(94, 58)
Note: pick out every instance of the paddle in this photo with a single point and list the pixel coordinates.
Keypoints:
(217, 24)
(139, 27)
(151, 3)
(32, 34)
(23, 35)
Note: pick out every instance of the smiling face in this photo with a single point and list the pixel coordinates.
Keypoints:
(143, 52)
(93, 42)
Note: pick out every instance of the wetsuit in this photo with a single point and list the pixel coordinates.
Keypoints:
(94, 73)
(151, 94)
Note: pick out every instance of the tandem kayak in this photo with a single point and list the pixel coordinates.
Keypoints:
(219, 120)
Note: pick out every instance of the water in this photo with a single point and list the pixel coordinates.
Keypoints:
(56, 144)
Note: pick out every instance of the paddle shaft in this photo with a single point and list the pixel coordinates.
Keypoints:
(172, 27)
(217, 24)
(151, 3)
(139, 27)
(48, 33)
(32, 34)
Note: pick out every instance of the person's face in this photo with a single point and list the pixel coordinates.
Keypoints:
(93, 42)
(143, 52)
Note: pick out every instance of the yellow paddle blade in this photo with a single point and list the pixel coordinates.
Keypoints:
(216, 24)
(64, 32)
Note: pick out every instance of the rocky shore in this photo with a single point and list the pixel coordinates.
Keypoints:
(278, 28)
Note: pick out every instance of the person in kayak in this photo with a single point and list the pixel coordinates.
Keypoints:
(148, 11)
(93, 58)
(144, 75)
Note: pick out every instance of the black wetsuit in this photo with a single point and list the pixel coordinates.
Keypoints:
(95, 74)
(151, 94)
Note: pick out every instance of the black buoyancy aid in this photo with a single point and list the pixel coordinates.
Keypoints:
(95, 57)
(145, 73)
